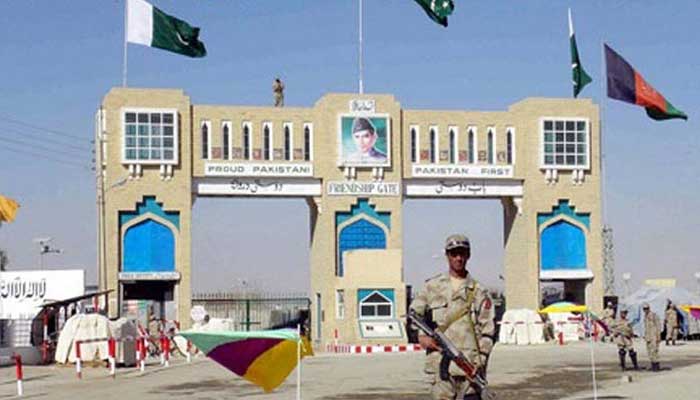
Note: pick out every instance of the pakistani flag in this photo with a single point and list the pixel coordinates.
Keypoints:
(437, 10)
(580, 76)
(150, 26)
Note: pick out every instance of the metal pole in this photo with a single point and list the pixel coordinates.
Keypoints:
(299, 362)
(362, 90)
(126, 31)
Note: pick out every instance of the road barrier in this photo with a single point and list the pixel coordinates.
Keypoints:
(18, 371)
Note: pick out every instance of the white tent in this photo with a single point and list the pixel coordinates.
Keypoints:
(521, 327)
(95, 326)
(657, 298)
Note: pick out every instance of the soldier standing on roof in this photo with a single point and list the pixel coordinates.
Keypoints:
(278, 92)
(464, 312)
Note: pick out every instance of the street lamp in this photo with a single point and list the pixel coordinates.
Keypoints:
(45, 248)
(626, 278)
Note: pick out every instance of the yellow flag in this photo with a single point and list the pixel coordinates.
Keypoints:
(8, 209)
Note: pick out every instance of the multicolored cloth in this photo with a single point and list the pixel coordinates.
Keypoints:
(264, 358)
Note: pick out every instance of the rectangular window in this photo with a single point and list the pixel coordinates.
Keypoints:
(565, 143)
(149, 136)
(340, 304)
(471, 144)
(510, 146)
(491, 142)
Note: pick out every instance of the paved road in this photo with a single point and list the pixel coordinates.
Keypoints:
(532, 372)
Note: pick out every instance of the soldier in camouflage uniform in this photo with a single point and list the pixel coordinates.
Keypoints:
(278, 92)
(671, 320)
(609, 319)
(623, 334)
(464, 311)
(652, 335)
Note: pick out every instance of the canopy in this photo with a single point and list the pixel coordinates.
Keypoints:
(564, 307)
(264, 358)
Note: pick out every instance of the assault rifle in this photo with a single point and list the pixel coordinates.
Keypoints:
(450, 352)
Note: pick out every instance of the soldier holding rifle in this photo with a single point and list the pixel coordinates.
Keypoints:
(460, 335)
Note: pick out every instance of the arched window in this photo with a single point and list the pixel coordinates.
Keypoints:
(472, 146)
(149, 246)
(226, 142)
(510, 146)
(307, 142)
(491, 154)
(267, 143)
(414, 144)
(287, 142)
(453, 146)
(361, 234)
(433, 146)
(562, 246)
(205, 140)
(246, 141)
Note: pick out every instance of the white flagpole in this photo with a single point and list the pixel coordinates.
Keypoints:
(126, 31)
(362, 90)
(299, 360)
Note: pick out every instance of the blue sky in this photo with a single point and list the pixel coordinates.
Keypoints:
(59, 58)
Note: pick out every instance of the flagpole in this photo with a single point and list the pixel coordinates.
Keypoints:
(362, 90)
(603, 80)
(299, 360)
(126, 30)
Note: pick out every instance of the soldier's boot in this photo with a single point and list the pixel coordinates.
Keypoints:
(633, 356)
(655, 367)
(673, 341)
(622, 353)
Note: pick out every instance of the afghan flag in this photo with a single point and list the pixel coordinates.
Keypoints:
(580, 77)
(437, 10)
(264, 358)
(8, 209)
(149, 26)
(626, 84)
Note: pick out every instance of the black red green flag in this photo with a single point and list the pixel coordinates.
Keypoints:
(626, 84)
(437, 10)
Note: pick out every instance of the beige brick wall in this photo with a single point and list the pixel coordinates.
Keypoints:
(520, 224)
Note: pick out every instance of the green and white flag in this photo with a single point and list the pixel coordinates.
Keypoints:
(437, 10)
(580, 76)
(149, 26)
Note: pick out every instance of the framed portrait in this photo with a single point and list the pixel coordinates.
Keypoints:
(364, 140)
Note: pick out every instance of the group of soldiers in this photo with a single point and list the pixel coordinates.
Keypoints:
(621, 332)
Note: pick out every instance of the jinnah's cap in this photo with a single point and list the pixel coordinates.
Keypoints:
(362, 124)
(456, 241)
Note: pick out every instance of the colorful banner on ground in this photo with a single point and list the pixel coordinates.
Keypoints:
(437, 10)
(626, 84)
(264, 358)
(8, 209)
(149, 26)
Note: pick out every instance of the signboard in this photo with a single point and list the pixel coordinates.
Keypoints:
(462, 171)
(354, 188)
(381, 329)
(23, 292)
(463, 188)
(362, 105)
(197, 313)
(258, 187)
(364, 140)
(149, 276)
(259, 169)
